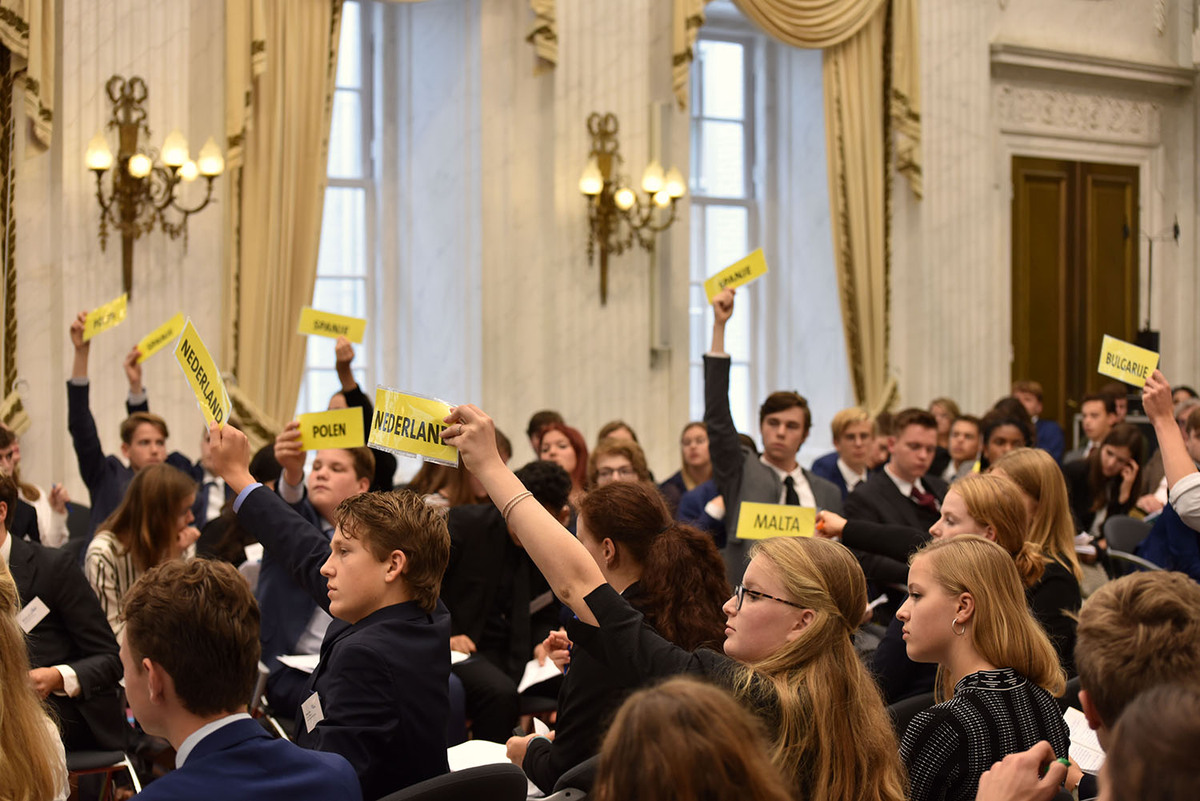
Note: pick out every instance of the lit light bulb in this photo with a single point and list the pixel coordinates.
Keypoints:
(624, 198)
(652, 178)
(140, 165)
(174, 149)
(210, 162)
(189, 171)
(674, 183)
(99, 157)
(591, 182)
(662, 199)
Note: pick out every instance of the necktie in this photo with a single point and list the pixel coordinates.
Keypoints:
(922, 498)
(789, 494)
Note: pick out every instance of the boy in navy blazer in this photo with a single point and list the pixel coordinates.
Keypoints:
(190, 651)
(379, 696)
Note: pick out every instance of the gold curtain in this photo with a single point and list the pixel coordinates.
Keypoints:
(686, 20)
(282, 56)
(814, 24)
(544, 35)
(27, 30)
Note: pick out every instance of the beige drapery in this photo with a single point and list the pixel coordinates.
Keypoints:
(282, 57)
(27, 30)
(544, 35)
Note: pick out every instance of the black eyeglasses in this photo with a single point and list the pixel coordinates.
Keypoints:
(740, 592)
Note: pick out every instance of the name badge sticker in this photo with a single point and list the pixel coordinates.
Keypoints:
(1126, 362)
(336, 428)
(202, 374)
(764, 521)
(327, 324)
(160, 337)
(312, 712)
(102, 318)
(32, 614)
(737, 274)
(411, 425)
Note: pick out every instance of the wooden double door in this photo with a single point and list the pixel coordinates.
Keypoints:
(1074, 273)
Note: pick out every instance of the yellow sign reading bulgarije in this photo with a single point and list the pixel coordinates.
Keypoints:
(203, 375)
(411, 425)
(336, 428)
(763, 521)
(328, 324)
(1126, 362)
(160, 337)
(102, 318)
(737, 274)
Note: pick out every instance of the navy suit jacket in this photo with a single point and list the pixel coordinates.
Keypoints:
(383, 682)
(1051, 439)
(241, 762)
(1172, 544)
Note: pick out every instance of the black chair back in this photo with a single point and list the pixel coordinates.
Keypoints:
(1125, 533)
(499, 782)
(579, 777)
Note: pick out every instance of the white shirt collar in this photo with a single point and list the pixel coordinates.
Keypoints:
(799, 482)
(6, 548)
(905, 487)
(193, 739)
(851, 478)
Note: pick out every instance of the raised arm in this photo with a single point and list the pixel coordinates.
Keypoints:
(724, 447)
(1156, 400)
(136, 401)
(563, 560)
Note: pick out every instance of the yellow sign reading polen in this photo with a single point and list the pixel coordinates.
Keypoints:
(102, 318)
(328, 324)
(411, 425)
(203, 375)
(1126, 362)
(160, 337)
(336, 428)
(737, 274)
(764, 521)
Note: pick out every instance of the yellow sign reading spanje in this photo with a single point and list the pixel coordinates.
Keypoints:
(160, 337)
(203, 375)
(328, 324)
(1126, 362)
(763, 521)
(411, 425)
(102, 318)
(336, 428)
(737, 274)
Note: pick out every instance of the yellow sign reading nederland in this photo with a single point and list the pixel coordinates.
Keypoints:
(412, 425)
(102, 318)
(737, 274)
(160, 337)
(1126, 362)
(328, 324)
(762, 521)
(203, 375)
(336, 428)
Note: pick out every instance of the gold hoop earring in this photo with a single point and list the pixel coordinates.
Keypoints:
(956, 631)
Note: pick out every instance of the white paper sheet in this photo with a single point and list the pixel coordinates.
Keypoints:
(1085, 748)
(474, 753)
(536, 674)
(304, 662)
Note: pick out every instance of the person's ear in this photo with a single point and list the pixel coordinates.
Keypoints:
(891, 444)
(125, 450)
(394, 566)
(966, 607)
(803, 621)
(157, 681)
(610, 552)
(364, 484)
(4, 515)
(990, 533)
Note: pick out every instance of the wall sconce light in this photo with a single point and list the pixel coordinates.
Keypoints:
(142, 194)
(617, 215)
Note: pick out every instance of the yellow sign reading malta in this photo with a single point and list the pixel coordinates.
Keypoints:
(160, 337)
(1126, 362)
(737, 274)
(102, 318)
(763, 521)
(203, 375)
(411, 425)
(336, 428)
(328, 324)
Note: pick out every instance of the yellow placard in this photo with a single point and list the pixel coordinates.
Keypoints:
(102, 318)
(336, 428)
(203, 375)
(160, 337)
(411, 425)
(737, 274)
(1126, 362)
(328, 324)
(763, 521)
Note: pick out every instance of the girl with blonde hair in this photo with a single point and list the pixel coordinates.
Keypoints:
(32, 761)
(787, 653)
(998, 674)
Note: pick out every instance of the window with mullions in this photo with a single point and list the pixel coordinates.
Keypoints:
(347, 252)
(723, 207)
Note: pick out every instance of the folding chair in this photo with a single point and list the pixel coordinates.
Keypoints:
(84, 763)
(499, 782)
(258, 705)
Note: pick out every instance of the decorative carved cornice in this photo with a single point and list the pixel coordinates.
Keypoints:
(1077, 115)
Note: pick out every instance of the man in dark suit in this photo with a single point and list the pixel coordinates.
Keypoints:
(192, 690)
(1050, 437)
(853, 432)
(901, 494)
(71, 647)
(740, 474)
(143, 435)
(379, 694)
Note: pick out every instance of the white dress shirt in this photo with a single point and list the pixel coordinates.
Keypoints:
(803, 490)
